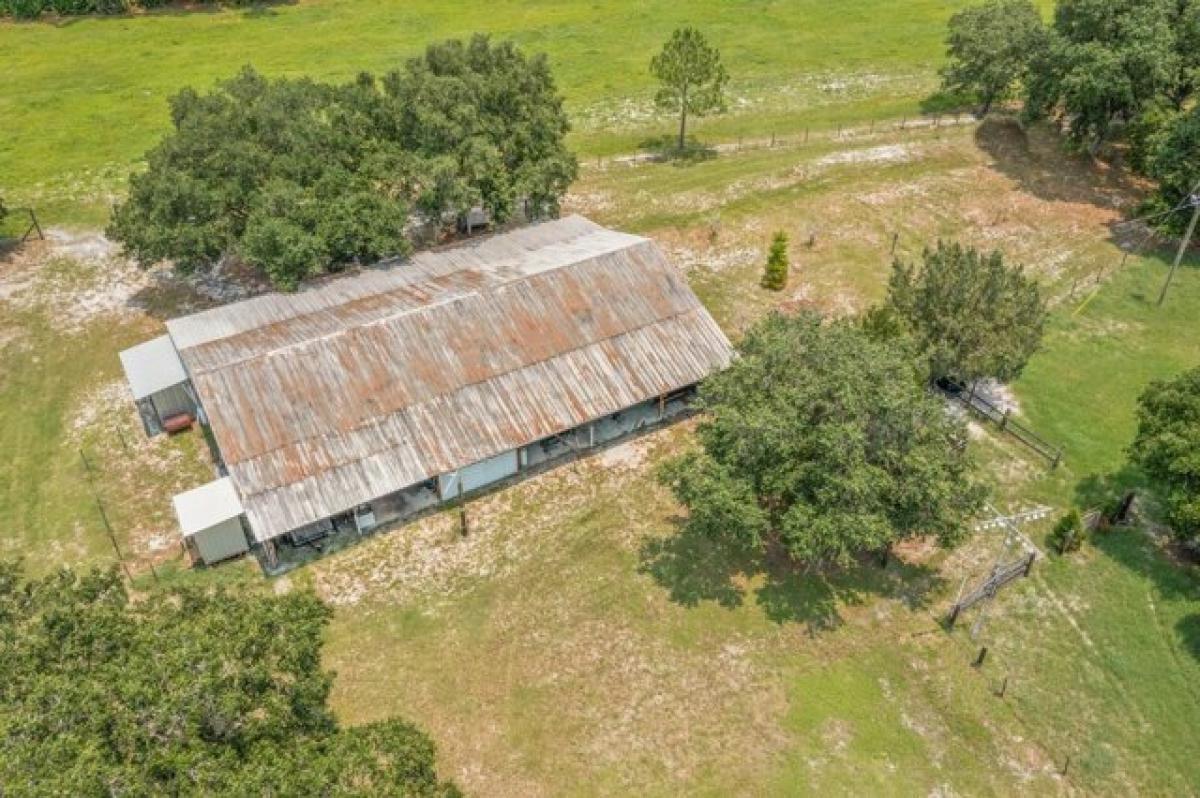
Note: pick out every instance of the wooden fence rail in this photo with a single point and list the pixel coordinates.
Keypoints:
(1001, 575)
(969, 398)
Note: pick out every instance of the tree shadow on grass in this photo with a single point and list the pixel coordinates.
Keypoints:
(694, 570)
(1102, 490)
(1036, 158)
(666, 148)
(1172, 569)
(1188, 629)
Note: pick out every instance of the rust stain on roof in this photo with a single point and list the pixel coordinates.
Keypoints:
(365, 385)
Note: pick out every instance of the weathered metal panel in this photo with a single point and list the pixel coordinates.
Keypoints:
(152, 366)
(170, 401)
(226, 539)
(332, 397)
(477, 475)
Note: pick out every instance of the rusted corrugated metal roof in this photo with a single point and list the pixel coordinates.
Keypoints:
(334, 396)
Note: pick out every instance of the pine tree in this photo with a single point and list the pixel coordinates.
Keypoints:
(775, 276)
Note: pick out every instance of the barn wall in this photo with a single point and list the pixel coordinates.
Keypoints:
(226, 539)
(170, 401)
(478, 475)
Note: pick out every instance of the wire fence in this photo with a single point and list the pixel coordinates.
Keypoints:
(797, 138)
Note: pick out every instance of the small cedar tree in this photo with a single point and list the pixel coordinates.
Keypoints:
(775, 276)
(1067, 535)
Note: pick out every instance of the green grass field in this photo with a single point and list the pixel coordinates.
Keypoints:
(575, 643)
(84, 99)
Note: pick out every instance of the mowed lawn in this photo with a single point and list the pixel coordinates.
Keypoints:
(573, 643)
(576, 644)
(83, 99)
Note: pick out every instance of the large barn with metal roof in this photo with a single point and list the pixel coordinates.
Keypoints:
(370, 397)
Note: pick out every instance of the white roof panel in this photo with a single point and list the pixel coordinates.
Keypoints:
(152, 367)
(206, 506)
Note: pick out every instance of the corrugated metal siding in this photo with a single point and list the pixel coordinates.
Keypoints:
(170, 401)
(323, 400)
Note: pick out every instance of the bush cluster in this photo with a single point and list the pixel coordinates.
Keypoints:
(32, 9)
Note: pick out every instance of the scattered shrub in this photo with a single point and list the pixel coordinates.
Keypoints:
(32, 9)
(1067, 534)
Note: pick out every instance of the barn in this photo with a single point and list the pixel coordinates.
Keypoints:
(360, 401)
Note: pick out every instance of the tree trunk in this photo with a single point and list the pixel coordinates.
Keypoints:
(682, 118)
(987, 106)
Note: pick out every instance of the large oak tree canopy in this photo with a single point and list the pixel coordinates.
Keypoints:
(823, 443)
(300, 177)
(187, 693)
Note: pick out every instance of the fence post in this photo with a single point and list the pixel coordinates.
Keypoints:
(895, 240)
(462, 519)
(1004, 420)
(953, 615)
(1029, 563)
(1057, 459)
(978, 663)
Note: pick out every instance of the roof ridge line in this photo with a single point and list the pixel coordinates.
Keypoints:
(478, 290)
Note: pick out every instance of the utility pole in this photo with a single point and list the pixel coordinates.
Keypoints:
(1194, 201)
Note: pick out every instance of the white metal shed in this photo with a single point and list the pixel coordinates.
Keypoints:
(210, 518)
(158, 381)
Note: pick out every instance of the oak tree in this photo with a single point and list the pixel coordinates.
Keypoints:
(820, 442)
(989, 48)
(182, 693)
(1167, 447)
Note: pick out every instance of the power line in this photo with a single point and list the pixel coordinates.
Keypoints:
(1194, 199)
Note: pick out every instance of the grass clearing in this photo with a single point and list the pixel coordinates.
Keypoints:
(574, 643)
(85, 98)
(592, 662)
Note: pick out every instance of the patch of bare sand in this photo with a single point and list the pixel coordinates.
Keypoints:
(884, 153)
(81, 276)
